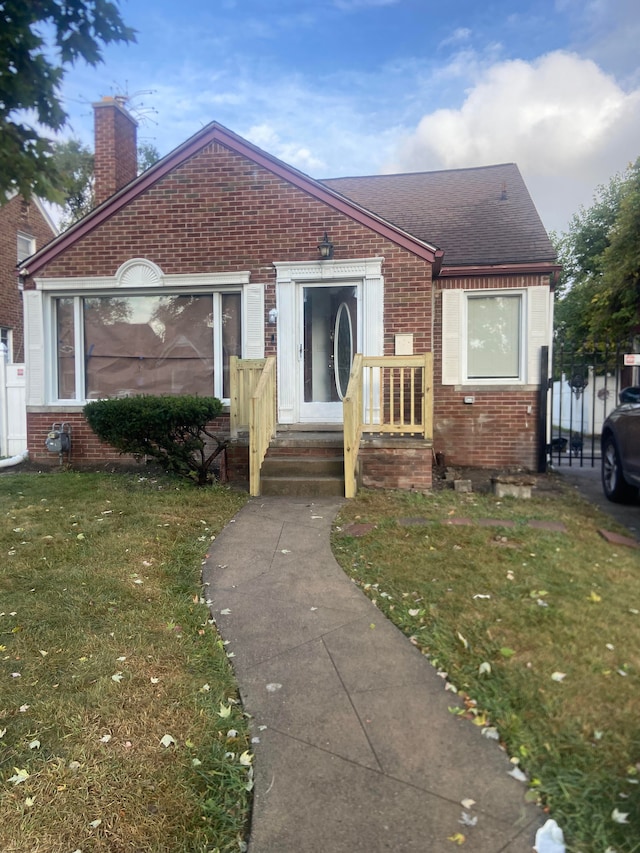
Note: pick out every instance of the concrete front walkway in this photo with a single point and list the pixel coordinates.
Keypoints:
(360, 751)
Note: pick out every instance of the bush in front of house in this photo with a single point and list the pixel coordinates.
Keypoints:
(174, 431)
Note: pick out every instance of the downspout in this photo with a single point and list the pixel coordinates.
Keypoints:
(14, 460)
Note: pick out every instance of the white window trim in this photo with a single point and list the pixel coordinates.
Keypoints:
(535, 332)
(137, 277)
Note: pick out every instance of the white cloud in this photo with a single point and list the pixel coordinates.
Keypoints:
(567, 124)
(264, 136)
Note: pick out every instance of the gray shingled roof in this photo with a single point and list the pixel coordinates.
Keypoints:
(477, 216)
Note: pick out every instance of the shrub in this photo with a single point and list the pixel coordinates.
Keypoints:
(172, 430)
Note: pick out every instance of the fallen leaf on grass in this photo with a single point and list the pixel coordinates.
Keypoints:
(558, 676)
(35, 744)
(167, 740)
(464, 642)
(29, 802)
(19, 776)
(594, 597)
(246, 758)
(117, 677)
(225, 711)
(105, 738)
(94, 824)
(484, 668)
(617, 816)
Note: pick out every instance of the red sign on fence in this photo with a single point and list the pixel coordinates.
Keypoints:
(631, 359)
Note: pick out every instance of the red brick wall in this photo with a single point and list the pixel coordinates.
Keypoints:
(17, 215)
(86, 448)
(221, 212)
(389, 464)
(499, 429)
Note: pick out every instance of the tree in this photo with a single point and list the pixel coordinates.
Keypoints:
(618, 302)
(32, 69)
(147, 156)
(74, 164)
(592, 299)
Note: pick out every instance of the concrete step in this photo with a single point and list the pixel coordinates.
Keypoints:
(304, 463)
(311, 487)
(276, 465)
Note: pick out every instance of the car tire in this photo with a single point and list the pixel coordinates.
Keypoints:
(614, 485)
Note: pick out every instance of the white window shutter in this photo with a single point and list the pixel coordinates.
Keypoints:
(34, 346)
(452, 314)
(538, 330)
(253, 298)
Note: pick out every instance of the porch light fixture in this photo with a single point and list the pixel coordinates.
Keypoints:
(325, 248)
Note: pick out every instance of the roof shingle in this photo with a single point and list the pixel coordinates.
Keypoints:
(479, 216)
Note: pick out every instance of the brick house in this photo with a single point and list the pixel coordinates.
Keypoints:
(220, 250)
(24, 227)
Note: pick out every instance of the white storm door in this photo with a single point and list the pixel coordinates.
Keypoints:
(328, 335)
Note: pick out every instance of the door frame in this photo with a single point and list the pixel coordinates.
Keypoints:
(365, 274)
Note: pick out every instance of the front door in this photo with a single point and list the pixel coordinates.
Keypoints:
(328, 343)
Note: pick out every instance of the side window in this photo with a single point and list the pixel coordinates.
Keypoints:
(494, 337)
(26, 246)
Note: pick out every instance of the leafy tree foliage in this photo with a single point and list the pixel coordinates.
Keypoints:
(172, 430)
(74, 163)
(147, 156)
(32, 69)
(597, 296)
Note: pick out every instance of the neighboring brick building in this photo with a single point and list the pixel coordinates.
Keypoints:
(214, 252)
(24, 228)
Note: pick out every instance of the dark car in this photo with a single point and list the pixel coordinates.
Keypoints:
(620, 445)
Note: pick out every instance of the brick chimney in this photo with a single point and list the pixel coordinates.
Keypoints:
(116, 154)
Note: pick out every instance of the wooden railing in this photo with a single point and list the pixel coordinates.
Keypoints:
(386, 394)
(262, 422)
(253, 405)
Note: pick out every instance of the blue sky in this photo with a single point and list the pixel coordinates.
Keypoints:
(357, 87)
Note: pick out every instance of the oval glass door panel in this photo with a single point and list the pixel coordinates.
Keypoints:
(342, 349)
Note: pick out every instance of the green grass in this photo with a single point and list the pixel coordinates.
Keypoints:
(552, 603)
(106, 647)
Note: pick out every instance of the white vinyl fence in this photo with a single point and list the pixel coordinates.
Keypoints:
(13, 411)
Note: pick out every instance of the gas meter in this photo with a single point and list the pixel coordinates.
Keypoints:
(59, 438)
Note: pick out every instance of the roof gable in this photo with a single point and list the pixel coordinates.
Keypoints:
(215, 132)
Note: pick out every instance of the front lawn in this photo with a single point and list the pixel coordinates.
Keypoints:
(539, 629)
(120, 727)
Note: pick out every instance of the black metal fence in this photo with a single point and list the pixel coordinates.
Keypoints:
(585, 384)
